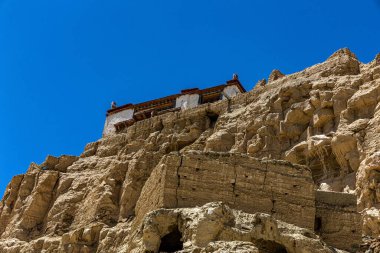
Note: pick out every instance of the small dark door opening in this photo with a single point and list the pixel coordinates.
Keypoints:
(318, 224)
(213, 117)
(270, 247)
(171, 242)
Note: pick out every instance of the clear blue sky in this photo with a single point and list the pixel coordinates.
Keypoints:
(63, 61)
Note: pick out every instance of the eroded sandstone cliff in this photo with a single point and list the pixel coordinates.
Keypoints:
(325, 118)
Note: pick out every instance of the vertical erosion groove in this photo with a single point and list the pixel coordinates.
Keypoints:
(178, 179)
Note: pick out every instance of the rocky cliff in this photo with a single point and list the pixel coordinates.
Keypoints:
(276, 169)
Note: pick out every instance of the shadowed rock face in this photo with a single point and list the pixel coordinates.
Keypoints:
(325, 117)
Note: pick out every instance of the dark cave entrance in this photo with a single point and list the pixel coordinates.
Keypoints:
(270, 247)
(318, 225)
(213, 118)
(171, 242)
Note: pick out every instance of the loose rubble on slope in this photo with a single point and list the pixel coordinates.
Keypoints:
(295, 163)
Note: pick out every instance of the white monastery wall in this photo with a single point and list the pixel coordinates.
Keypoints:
(187, 101)
(231, 91)
(115, 118)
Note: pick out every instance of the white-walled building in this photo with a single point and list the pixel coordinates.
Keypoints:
(117, 117)
(126, 115)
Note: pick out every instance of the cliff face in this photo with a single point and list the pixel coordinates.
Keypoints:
(325, 117)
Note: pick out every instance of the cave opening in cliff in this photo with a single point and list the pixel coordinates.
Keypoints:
(213, 118)
(318, 224)
(171, 242)
(270, 247)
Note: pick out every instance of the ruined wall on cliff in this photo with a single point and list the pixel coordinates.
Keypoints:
(195, 178)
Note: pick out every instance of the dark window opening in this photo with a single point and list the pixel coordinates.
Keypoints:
(270, 247)
(213, 118)
(171, 242)
(318, 224)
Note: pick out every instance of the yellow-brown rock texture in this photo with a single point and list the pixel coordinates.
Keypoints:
(290, 166)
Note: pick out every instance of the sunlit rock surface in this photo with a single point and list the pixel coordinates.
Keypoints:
(138, 189)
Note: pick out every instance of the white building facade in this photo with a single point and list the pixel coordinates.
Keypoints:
(114, 118)
(126, 115)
